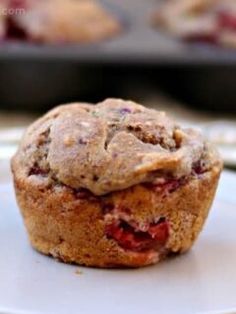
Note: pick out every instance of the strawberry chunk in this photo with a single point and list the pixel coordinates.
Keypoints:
(17, 4)
(131, 238)
(227, 20)
(159, 232)
(168, 186)
(211, 38)
(13, 31)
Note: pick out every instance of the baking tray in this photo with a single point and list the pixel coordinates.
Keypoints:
(34, 76)
(138, 43)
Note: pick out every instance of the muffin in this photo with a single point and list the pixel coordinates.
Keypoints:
(113, 184)
(211, 21)
(53, 21)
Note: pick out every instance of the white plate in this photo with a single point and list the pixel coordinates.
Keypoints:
(202, 281)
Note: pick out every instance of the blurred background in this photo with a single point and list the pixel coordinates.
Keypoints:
(59, 51)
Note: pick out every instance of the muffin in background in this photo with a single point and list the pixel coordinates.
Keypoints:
(62, 21)
(113, 184)
(211, 21)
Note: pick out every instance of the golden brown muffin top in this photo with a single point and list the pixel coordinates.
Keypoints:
(110, 146)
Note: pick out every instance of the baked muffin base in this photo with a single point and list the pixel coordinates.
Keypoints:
(70, 225)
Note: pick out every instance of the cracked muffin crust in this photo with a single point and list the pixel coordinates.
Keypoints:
(113, 184)
(60, 21)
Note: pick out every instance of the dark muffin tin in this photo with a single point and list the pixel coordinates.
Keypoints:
(139, 42)
(38, 75)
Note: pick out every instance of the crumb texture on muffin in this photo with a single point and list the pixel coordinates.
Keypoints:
(113, 184)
